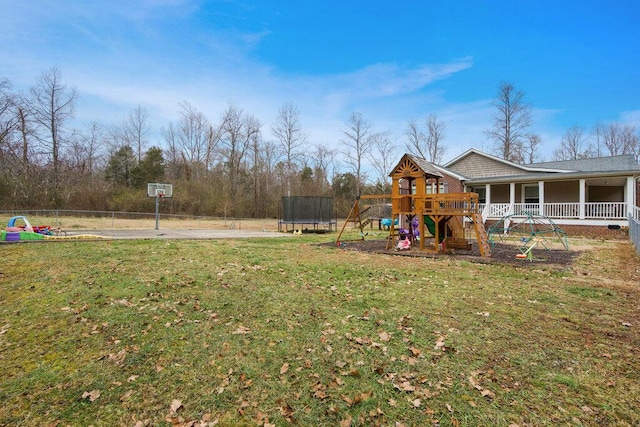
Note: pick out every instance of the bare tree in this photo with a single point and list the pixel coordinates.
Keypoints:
(84, 148)
(358, 145)
(194, 135)
(290, 135)
(530, 148)
(596, 148)
(618, 138)
(417, 144)
(435, 134)
(612, 139)
(137, 128)
(510, 123)
(573, 145)
(427, 142)
(323, 157)
(8, 117)
(382, 158)
(237, 132)
(631, 140)
(53, 105)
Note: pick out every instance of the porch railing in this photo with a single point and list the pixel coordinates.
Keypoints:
(592, 210)
(562, 210)
(605, 210)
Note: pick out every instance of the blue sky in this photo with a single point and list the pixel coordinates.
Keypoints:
(577, 61)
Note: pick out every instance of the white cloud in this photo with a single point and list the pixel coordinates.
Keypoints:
(631, 117)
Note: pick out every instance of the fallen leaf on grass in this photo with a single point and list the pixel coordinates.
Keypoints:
(284, 368)
(118, 358)
(92, 395)
(346, 422)
(241, 330)
(176, 404)
(384, 336)
(126, 395)
(376, 412)
(287, 412)
(488, 394)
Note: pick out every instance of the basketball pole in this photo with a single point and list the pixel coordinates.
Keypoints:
(157, 210)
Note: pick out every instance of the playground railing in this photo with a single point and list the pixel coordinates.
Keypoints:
(634, 230)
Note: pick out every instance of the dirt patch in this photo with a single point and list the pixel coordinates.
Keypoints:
(501, 253)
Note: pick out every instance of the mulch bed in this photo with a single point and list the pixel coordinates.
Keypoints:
(501, 253)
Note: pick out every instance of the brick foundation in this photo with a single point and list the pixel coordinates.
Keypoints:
(595, 232)
(587, 231)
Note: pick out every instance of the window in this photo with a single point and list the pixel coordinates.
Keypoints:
(431, 187)
(481, 192)
(531, 193)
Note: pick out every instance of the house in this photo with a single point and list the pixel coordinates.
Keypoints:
(581, 196)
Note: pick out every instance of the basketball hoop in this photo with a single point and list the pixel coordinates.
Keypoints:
(159, 191)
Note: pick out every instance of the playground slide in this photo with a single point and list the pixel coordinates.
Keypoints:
(431, 226)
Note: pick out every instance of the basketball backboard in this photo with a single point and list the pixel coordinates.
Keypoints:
(155, 189)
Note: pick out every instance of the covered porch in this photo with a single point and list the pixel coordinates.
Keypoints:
(585, 201)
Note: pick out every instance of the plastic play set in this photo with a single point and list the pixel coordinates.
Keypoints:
(19, 229)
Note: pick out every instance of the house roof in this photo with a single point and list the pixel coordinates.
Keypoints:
(624, 165)
(626, 162)
(526, 168)
(550, 177)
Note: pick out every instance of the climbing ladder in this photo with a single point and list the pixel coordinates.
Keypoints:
(481, 235)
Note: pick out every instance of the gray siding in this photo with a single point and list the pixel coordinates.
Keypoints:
(476, 166)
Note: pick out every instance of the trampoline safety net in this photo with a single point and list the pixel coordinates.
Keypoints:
(307, 210)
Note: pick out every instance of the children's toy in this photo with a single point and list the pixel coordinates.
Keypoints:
(527, 230)
(21, 223)
(19, 229)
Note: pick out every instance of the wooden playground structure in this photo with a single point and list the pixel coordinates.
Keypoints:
(418, 206)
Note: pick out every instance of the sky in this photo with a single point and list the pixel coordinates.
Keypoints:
(578, 62)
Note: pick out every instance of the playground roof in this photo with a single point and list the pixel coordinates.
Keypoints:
(427, 168)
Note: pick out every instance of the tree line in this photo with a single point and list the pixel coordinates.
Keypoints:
(236, 165)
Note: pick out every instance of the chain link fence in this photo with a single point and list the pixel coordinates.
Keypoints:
(634, 231)
(110, 220)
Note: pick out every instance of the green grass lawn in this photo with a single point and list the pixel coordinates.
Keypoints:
(288, 332)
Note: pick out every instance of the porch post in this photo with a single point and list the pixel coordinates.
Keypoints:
(541, 197)
(487, 196)
(512, 197)
(629, 195)
(583, 198)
